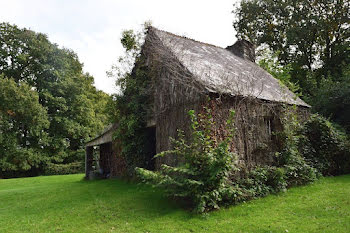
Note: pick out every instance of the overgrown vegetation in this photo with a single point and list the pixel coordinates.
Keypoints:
(297, 171)
(262, 181)
(133, 104)
(325, 147)
(209, 178)
(289, 169)
(206, 179)
(203, 178)
(268, 60)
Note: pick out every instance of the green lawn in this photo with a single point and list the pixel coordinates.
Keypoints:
(69, 204)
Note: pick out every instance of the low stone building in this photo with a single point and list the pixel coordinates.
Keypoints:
(186, 73)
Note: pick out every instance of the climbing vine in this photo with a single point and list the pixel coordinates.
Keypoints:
(209, 177)
(203, 179)
(132, 105)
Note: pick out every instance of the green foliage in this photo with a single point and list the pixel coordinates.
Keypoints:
(203, 178)
(324, 147)
(311, 35)
(311, 41)
(309, 149)
(269, 62)
(132, 107)
(297, 170)
(64, 169)
(74, 108)
(262, 181)
(290, 168)
(131, 41)
(22, 124)
(332, 100)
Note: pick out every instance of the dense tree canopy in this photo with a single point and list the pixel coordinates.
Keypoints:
(311, 35)
(23, 122)
(333, 100)
(72, 105)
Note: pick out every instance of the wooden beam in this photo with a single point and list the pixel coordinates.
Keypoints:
(104, 138)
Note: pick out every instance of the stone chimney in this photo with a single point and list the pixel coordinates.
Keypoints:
(243, 49)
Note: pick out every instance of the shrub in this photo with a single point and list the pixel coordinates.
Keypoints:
(297, 170)
(203, 178)
(324, 147)
(262, 181)
(63, 169)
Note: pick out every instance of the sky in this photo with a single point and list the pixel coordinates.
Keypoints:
(92, 28)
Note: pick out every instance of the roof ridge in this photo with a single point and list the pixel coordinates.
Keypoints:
(185, 37)
(203, 43)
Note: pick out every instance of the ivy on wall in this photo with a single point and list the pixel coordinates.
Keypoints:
(132, 106)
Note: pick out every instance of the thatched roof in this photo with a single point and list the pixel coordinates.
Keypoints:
(220, 71)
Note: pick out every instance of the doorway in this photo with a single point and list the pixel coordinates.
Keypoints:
(150, 148)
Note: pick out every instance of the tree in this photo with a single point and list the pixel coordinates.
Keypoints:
(311, 35)
(332, 100)
(75, 109)
(269, 62)
(23, 121)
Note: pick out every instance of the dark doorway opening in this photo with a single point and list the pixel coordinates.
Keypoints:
(150, 148)
(105, 159)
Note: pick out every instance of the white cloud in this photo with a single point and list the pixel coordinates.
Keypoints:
(92, 28)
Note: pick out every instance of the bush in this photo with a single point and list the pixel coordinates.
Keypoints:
(324, 147)
(262, 181)
(63, 169)
(203, 179)
(297, 170)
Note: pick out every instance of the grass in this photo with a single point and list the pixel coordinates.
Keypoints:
(70, 204)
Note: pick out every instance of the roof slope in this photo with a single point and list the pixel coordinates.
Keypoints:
(220, 71)
(105, 137)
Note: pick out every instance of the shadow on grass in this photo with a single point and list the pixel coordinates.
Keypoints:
(140, 199)
(143, 202)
